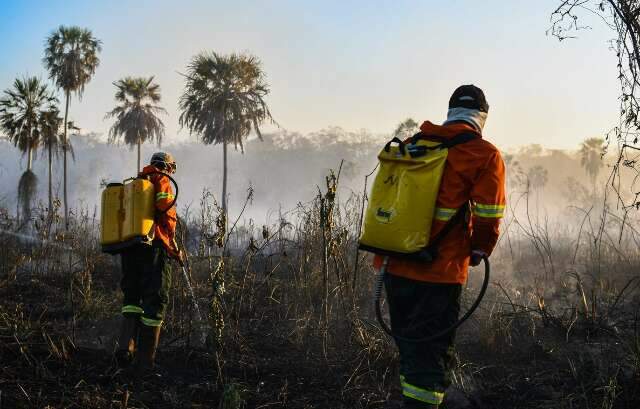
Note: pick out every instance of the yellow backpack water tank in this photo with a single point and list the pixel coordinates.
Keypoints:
(403, 198)
(111, 215)
(127, 216)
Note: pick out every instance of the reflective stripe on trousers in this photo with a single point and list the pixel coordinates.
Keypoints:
(132, 309)
(423, 395)
(150, 322)
(488, 211)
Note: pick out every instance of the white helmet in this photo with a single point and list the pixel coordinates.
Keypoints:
(164, 160)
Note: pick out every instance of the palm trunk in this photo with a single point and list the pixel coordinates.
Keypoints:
(50, 179)
(29, 157)
(138, 168)
(224, 179)
(64, 164)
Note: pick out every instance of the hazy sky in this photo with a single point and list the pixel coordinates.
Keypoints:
(354, 64)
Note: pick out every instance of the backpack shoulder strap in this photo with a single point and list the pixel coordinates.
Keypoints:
(459, 139)
(422, 136)
(444, 143)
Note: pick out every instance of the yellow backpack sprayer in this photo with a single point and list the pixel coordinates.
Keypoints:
(402, 207)
(128, 213)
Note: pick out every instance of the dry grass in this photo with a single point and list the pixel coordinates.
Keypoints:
(289, 322)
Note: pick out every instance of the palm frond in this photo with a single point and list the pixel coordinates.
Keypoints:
(71, 57)
(136, 118)
(591, 152)
(50, 124)
(21, 111)
(223, 99)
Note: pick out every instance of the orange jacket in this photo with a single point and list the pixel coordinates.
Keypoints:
(165, 223)
(474, 172)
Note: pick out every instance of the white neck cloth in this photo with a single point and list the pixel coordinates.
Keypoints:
(473, 117)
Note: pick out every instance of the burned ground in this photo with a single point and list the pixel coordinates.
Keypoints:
(289, 322)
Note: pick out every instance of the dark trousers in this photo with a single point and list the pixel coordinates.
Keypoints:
(419, 309)
(146, 279)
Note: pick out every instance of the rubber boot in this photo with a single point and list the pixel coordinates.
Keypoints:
(147, 346)
(127, 341)
(408, 404)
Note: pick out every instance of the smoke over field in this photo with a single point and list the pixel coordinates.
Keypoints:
(283, 170)
(287, 168)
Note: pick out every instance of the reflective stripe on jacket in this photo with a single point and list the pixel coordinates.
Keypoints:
(474, 173)
(165, 223)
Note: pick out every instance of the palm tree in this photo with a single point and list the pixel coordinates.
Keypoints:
(71, 57)
(538, 177)
(50, 123)
(591, 151)
(20, 111)
(406, 129)
(223, 101)
(136, 118)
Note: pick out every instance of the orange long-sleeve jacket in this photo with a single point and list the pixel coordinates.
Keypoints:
(475, 173)
(166, 220)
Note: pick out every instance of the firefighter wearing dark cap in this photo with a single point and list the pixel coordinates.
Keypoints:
(425, 297)
(146, 277)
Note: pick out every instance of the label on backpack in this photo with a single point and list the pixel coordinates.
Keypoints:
(384, 216)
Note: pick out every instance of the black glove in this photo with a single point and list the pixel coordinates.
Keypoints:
(476, 257)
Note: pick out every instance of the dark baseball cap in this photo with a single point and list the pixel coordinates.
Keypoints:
(469, 96)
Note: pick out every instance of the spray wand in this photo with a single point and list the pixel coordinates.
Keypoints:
(185, 266)
(186, 270)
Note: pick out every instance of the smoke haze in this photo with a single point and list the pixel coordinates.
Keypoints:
(285, 169)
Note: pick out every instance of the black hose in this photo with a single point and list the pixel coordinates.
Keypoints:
(385, 327)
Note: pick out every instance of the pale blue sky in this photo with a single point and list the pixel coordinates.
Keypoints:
(357, 64)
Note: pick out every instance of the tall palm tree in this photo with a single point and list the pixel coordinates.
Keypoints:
(20, 111)
(136, 116)
(591, 151)
(223, 101)
(71, 57)
(50, 123)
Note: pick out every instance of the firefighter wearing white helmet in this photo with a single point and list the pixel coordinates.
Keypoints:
(163, 160)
